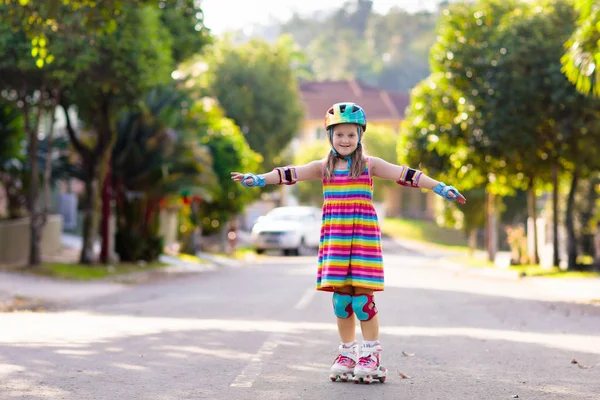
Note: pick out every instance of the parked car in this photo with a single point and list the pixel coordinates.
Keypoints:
(289, 229)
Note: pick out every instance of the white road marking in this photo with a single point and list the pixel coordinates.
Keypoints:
(249, 374)
(306, 298)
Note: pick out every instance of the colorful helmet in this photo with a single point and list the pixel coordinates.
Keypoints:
(346, 113)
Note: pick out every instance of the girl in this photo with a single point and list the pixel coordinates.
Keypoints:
(350, 262)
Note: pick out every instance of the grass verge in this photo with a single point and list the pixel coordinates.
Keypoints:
(526, 270)
(82, 272)
(425, 231)
(536, 270)
(191, 258)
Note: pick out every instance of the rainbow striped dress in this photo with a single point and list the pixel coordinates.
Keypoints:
(350, 245)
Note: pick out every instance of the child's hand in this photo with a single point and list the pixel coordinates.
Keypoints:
(238, 177)
(449, 193)
(461, 199)
(248, 180)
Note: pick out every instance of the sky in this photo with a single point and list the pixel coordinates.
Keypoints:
(223, 15)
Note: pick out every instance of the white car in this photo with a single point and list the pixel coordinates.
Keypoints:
(290, 229)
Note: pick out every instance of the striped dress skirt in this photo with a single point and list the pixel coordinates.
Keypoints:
(350, 245)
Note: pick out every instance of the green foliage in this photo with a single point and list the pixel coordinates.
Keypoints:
(256, 87)
(230, 152)
(39, 21)
(424, 231)
(12, 158)
(140, 47)
(507, 116)
(581, 61)
(311, 192)
(353, 42)
(151, 161)
(185, 22)
(435, 138)
(380, 141)
(12, 133)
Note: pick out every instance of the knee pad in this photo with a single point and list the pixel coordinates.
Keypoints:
(364, 306)
(342, 305)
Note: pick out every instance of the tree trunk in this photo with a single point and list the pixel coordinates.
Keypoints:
(105, 228)
(597, 247)
(492, 227)
(534, 257)
(90, 219)
(35, 217)
(555, 249)
(472, 241)
(103, 150)
(570, 222)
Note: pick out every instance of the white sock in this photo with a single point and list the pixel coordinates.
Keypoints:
(349, 344)
(370, 343)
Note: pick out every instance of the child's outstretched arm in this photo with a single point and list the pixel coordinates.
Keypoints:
(282, 175)
(407, 176)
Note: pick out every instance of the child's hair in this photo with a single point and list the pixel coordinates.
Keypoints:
(358, 160)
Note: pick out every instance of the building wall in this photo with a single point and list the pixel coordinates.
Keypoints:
(3, 202)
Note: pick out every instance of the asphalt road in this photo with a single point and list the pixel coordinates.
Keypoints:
(261, 331)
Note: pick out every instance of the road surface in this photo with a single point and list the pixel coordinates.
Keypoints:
(261, 331)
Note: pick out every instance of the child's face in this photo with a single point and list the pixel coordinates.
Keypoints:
(345, 138)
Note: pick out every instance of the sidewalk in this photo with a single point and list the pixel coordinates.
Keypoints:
(571, 289)
(31, 289)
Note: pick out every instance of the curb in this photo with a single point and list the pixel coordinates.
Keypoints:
(219, 261)
(481, 271)
(584, 290)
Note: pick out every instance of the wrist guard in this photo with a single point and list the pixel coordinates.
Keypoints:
(256, 180)
(409, 177)
(444, 191)
(287, 175)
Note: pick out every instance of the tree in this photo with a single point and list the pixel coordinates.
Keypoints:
(581, 61)
(354, 42)
(100, 84)
(491, 52)
(256, 87)
(41, 20)
(12, 158)
(33, 91)
(61, 51)
(311, 192)
(432, 138)
(229, 152)
(501, 59)
(380, 141)
(151, 162)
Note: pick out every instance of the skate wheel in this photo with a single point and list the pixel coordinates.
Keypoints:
(333, 378)
(382, 379)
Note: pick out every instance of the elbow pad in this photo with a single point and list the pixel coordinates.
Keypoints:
(287, 175)
(409, 177)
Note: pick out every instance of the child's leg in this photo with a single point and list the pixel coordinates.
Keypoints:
(344, 364)
(346, 326)
(369, 366)
(369, 328)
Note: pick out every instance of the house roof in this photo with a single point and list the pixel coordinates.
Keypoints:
(378, 104)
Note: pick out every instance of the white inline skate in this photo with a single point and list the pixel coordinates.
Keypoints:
(344, 364)
(368, 368)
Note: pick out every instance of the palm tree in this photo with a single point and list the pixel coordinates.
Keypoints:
(581, 61)
(151, 161)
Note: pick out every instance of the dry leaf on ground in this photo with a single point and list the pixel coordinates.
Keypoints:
(405, 354)
(582, 366)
